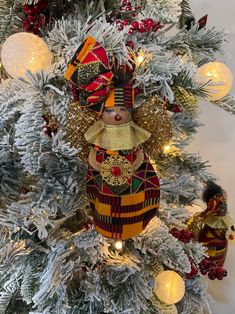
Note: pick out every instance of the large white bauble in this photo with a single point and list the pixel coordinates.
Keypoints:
(169, 287)
(25, 51)
(217, 73)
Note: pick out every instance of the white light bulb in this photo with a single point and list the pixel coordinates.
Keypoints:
(167, 149)
(140, 58)
(25, 51)
(220, 77)
(169, 287)
(118, 245)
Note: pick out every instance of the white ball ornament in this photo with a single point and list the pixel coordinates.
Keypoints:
(25, 51)
(219, 75)
(169, 287)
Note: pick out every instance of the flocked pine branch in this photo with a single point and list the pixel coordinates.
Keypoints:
(199, 44)
(227, 103)
(167, 11)
(9, 19)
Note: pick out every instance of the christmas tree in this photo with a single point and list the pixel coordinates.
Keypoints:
(75, 237)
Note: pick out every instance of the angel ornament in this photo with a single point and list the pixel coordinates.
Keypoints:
(122, 186)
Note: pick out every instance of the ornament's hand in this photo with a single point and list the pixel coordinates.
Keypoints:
(139, 159)
(92, 160)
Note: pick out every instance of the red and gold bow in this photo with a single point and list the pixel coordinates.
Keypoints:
(90, 71)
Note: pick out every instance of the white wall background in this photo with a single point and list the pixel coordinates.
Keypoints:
(216, 142)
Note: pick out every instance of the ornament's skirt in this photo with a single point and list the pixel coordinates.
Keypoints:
(123, 212)
(216, 243)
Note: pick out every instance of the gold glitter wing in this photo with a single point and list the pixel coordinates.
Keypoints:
(152, 115)
(196, 223)
(78, 121)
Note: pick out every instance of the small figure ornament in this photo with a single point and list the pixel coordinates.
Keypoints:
(215, 228)
(122, 186)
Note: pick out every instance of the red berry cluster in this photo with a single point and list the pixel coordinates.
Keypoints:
(144, 26)
(127, 6)
(37, 16)
(194, 270)
(50, 126)
(212, 270)
(183, 235)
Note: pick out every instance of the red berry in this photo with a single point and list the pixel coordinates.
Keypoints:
(31, 18)
(125, 22)
(177, 234)
(189, 276)
(26, 8)
(194, 271)
(220, 277)
(120, 27)
(183, 232)
(220, 270)
(193, 235)
(149, 22)
(128, 8)
(184, 240)
(135, 24)
(131, 31)
(37, 25)
(26, 23)
(203, 272)
(40, 21)
(211, 276)
(141, 29)
(131, 44)
(212, 271)
(36, 9)
(213, 265)
(155, 27)
(27, 28)
(41, 18)
(205, 264)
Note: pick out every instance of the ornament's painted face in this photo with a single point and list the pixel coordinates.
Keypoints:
(116, 115)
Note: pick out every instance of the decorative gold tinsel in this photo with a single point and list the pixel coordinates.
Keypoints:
(78, 121)
(152, 115)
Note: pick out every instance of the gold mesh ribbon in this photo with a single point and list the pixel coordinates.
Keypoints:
(77, 123)
(152, 115)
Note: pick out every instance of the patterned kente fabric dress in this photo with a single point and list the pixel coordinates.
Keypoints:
(124, 211)
(216, 223)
